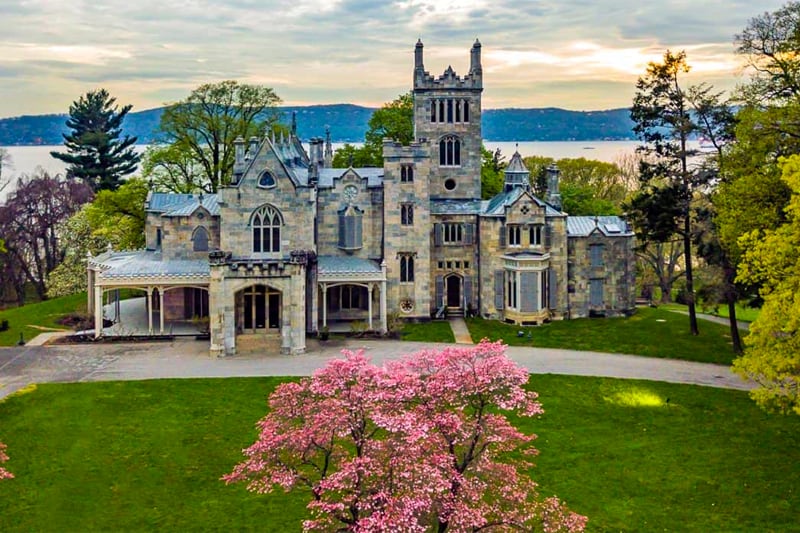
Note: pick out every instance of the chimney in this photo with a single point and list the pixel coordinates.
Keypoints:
(553, 196)
(253, 147)
(238, 151)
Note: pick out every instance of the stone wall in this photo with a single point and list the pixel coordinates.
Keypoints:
(617, 272)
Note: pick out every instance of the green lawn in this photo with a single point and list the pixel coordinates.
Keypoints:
(434, 331)
(632, 455)
(650, 332)
(743, 312)
(44, 314)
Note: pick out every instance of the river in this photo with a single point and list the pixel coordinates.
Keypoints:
(25, 159)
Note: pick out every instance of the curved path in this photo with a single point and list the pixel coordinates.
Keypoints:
(188, 358)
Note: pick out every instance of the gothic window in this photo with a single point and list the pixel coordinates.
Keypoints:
(511, 290)
(158, 238)
(350, 232)
(200, 239)
(433, 110)
(466, 111)
(266, 180)
(450, 151)
(406, 173)
(596, 254)
(440, 116)
(406, 268)
(406, 214)
(453, 233)
(514, 235)
(266, 223)
(535, 235)
(450, 110)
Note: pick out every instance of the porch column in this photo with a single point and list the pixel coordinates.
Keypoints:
(384, 328)
(324, 304)
(90, 289)
(150, 310)
(369, 304)
(161, 308)
(98, 311)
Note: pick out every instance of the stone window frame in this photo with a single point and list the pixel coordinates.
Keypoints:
(197, 242)
(266, 221)
(406, 214)
(406, 267)
(450, 151)
(452, 233)
(407, 173)
(514, 235)
(535, 233)
(269, 174)
(351, 233)
(449, 110)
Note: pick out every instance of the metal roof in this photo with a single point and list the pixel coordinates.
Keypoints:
(373, 175)
(209, 203)
(497, 205)
(516, 166)
(455, 207)
(610, 226)
(335, 264)
(149, 264)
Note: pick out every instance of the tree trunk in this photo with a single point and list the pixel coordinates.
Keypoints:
(735, 338)
(687, 254)
(666, 291)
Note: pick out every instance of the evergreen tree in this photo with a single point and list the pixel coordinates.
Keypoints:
(96, 153)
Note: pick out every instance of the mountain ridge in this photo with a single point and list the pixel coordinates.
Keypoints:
(348, 123)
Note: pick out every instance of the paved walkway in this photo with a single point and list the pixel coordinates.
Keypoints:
(184, 358)
(460, 331)
(743, 326)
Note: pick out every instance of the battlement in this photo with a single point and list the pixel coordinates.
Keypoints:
(395, 150)
(473, 80)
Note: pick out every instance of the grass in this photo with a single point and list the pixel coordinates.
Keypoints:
(632, 455)
(650, 332)
(744, 313)
(43, 314)
(434, 331)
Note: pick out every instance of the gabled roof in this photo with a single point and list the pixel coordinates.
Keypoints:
(373, 175)
(497, 206)
(610, 226)
(183, 205)
(516, 166)
(336, 264)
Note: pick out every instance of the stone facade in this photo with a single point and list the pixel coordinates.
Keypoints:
(293, 247)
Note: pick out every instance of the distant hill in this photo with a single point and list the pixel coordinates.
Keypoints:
(348, 123)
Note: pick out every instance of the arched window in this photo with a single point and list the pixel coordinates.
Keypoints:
(266, 223)
(406, 268)
(200, 239)
(450, 152)
(266, 180)
(350, 234)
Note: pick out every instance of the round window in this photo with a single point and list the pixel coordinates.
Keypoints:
(449, 184)
(266, 180)
(406, 305)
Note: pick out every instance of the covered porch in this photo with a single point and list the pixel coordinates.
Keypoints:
(173, 301)
(351, 290)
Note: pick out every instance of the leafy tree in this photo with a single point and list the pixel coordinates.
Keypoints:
(114, 218)
(29, 222)
(420, 444)
(199, 133)
(394, 120)
(349, 155)
(662, 116)
(4, 474)
(771, 259)
(660, 262)
(95, 152)
(492, 177)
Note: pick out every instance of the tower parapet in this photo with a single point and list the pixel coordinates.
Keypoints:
(473, 80)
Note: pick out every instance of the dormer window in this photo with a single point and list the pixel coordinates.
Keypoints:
(266, 180)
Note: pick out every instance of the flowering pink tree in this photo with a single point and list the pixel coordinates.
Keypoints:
(419, 444)
(4, 474)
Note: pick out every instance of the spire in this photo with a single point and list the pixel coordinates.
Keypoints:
(418, 56)
(294, 123)
(475, 58)
(328, 148)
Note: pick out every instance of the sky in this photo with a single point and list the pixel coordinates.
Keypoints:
(573, 54)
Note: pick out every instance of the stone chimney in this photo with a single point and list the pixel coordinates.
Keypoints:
(251, 152)
(553, 196)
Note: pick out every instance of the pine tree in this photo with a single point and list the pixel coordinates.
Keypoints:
(95, 152)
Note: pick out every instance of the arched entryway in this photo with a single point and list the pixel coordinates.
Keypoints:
(258, 309)
(453, 285)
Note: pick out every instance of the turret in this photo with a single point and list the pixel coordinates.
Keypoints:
(516, 174)
(475, 67)
(418, 66)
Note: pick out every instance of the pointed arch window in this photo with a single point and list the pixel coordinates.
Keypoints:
(266, 223)
(200, 239)
(450, 151)
(350, 234)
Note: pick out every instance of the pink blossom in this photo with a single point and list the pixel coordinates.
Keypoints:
(4, 474)
(418, 443)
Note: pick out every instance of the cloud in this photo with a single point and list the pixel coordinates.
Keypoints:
(582, 52)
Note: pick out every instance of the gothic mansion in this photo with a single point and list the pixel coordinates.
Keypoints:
(293, 246)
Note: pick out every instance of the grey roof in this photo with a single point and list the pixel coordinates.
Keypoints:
(610, 226)
(334, 264)
(374, 175)
(516, 165)
(147, 264)
(174, 204)
(497, 205)
(455, 207)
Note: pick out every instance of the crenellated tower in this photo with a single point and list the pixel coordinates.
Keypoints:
(447, 113)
